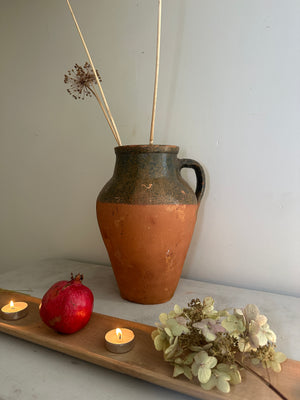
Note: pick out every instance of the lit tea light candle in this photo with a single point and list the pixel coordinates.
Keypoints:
(13, 311)
(119, 340)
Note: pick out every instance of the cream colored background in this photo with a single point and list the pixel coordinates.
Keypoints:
(229, 96)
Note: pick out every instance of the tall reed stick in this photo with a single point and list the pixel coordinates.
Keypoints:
(109, 118)
(156, 72)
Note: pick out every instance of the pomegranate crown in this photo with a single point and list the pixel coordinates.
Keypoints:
(78, 277)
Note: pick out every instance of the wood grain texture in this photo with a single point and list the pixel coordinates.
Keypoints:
(143, 361)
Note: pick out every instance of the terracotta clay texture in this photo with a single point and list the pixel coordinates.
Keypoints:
(147, 259)
(147, 214)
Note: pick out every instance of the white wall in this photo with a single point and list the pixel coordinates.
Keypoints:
(229, 96)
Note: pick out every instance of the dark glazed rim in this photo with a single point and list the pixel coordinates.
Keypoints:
(147, 148)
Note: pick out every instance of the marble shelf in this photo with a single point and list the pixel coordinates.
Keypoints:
(28, 371)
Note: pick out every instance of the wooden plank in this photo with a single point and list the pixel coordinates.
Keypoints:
(143, 361)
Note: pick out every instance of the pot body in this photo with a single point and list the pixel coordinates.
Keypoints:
(147, 214)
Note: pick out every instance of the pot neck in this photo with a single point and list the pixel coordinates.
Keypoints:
(149, 160)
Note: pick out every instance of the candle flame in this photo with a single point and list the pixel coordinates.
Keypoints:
(11, 304)
(119, 333)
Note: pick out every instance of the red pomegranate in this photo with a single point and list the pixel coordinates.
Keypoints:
(67, 306)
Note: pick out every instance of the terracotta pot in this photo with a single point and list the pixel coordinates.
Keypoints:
(146, 214)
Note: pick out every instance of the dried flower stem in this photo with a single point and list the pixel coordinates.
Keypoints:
(269, 384)
(108, 115)
(156, 72)
(105, 113)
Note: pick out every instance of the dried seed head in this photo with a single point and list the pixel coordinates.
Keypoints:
(80, 80)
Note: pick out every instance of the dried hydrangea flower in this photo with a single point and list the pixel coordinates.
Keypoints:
(269, 358)
(259, 331)
(81, 81)
(205, 343)
(209, 328)
(234, 324)
(219, 379)
(202, 366)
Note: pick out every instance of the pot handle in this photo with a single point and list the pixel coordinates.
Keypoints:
(200, 175)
